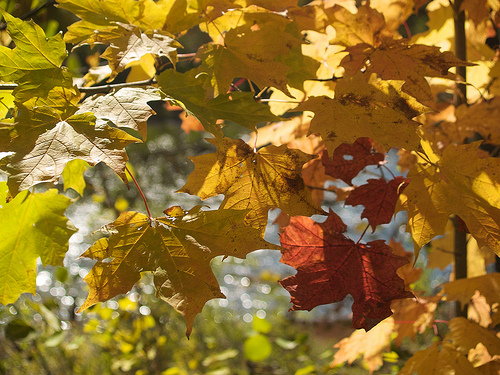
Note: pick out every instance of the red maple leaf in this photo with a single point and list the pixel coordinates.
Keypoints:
(379, 198)
(330, 266)
(348, 160)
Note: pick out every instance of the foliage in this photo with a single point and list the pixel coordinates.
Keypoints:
(310, 81)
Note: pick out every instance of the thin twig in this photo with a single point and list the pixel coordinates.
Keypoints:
(320, 188)
(333, 79)
(109, 87)
(140, 191)
(93, 89)
(30, 13)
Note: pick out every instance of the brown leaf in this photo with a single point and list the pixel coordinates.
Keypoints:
(330, 266)
(413, 316)
(348, 160)
(379, 198)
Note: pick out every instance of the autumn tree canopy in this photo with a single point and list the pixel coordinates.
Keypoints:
(334, 86)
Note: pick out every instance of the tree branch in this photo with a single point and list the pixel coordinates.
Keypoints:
(93, 89)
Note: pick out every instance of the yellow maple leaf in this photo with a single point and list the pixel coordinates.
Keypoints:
(371, 345)
(252, 53)
(375, 109)
(396, 60)
(413, 315)
(462, 290)
(178, 250)
(465, 335)
(457, 183)
(441, 358)
(269, 178)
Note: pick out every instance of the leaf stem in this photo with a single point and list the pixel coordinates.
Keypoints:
(387, 168)
(140, 191)
(362, 234)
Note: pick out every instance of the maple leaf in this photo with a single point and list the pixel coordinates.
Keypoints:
(269, 178)
(126, 107)
(457, 183)
(177, 249)
(478, 118)
(478, 10)
(330, 266)
(44, 53)
(32, 226)
(375, 109)
(396, 60)
(371, 345)
(42, 151)
(365, 26)
(252, 54)
(348, 160)
(73, 175)
(379, 198)
(441, 358)
(239, 107)
(462, 290)
(408, 273)
(132, 44)
(465, 335)
(413, 316)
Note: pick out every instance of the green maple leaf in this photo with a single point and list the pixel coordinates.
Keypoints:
(31, 226)
(178, 250)
(34, 52)
(239, 107)
(73, 175)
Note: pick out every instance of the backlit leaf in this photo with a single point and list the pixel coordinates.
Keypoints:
(440, 359)
(379, 198)
(396, 60)
(462, 290)
(371, 345)
(177, 249)
(33, 51)
(360, 109)
(252, 54)
(465, 335)
(40, 156)
(330, 266)
(459, 183)
(239, 107)
(73, 175)
(32, 226)
(348, 160)
(132, 44)
(127, 107)
(270, 178)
